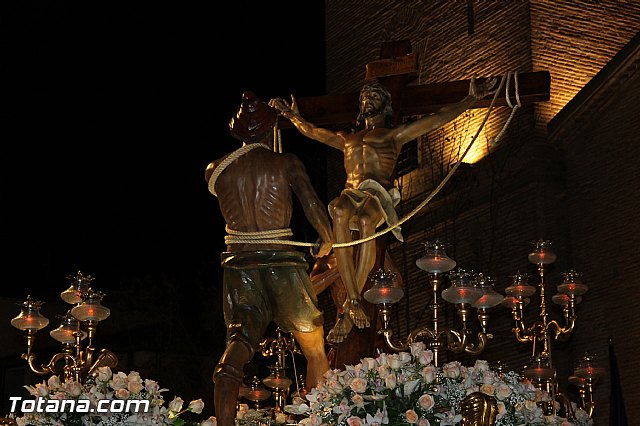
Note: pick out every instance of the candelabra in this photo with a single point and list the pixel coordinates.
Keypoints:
(278, 381)
(541, 333)
(74, 362)
(467, 290)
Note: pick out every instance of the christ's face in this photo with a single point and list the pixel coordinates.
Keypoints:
(371, 103)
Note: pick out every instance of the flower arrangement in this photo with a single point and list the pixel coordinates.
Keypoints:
(146, 393)
(406, 388)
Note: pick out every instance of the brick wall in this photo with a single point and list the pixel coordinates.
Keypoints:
(575, 39)
(602, 152)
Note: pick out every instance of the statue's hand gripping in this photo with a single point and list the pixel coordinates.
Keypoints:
(285, 108)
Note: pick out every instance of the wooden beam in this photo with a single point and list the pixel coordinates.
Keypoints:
(422, 99)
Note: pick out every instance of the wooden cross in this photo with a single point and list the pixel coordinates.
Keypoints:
(393, 70)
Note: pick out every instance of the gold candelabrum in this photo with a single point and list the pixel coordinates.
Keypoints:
(74, 361)
(542, 332)
(278, 381)
(467, 291)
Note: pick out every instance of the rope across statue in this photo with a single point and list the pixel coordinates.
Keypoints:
(369, 197)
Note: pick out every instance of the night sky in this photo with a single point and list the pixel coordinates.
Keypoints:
(110, 113)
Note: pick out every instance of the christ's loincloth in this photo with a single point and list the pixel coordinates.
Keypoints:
(387, 201)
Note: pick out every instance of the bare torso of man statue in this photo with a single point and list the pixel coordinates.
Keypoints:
(369, 197)
(263, 280)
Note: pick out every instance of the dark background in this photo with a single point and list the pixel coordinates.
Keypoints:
(110, 112)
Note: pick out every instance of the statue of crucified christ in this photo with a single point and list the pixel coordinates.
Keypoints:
(369, 197)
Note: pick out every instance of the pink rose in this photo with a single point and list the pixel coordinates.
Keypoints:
(358, 400)
(355, 421)
(122, 393)
(429, 373)
(503, 391)
(426, 402)
(488, 389)
(359, 385)
(412, 416)
(424, 422)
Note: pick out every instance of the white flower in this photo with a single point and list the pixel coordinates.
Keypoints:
(358, 385)
(151, 386)
(452, 369)
(502, 391)
(176, 404)
(429, 373)
(281, 418)
(481, 365)
(390, 381)
(196, 406)
(369, 363)
(54, 383)
(104, 374)
(426, 357)
(119, 381)
(73, 388)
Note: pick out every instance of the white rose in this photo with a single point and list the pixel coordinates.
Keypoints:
(104, 374)
(416, 348)
(390, 381)
(176, 405)
(452, 369)
(429, 373)
(488, 377)
(73, 388)
(426, 357)
(481, 365)
(383, 371)
(404, 357)
(119, 381)
(394, 362)
(211, 421)
(54, 383)
(151, 386)
(369, 363)
(281, 418)
(502, 409)
(135, 386)
(196, 406)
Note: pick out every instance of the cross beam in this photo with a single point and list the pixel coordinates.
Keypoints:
(419, 99)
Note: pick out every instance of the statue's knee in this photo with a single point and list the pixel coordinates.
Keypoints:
(227, 371)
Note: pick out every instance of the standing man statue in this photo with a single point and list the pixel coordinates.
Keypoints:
(263, 279)
(369, 197)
